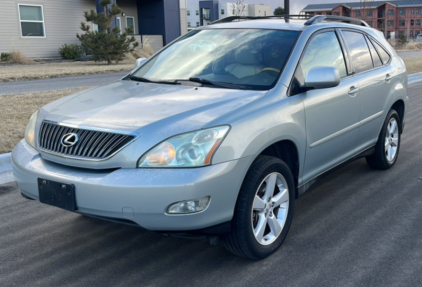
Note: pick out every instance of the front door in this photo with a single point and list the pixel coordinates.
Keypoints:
(332, 115)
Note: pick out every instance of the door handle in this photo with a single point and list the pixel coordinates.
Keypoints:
(353, 90)
(388, 78)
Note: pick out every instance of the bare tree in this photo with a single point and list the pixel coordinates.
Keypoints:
(365, 6)
(238, 8)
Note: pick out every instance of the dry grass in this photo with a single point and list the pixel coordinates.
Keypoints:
(54, 70)
(410, 46)
(15, 111)
(413, 64)
(18, 57)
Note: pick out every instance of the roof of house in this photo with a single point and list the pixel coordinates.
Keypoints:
(357, 5)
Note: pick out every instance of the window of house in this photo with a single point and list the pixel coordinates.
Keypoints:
(418, 11)
(188, 24)
(418, 22)
(390, 23)
(328, 13)
(319, 13)
(188, 12)
(358, 14)
(95, 27)
(390, 12)
(370, 13)
(411, 34)
(361, 58)
(197, 12)
(401, 33)
(222, 11)
(412, 22)
(197, 24)
(369, 23)
(119, 24)
(402, 23)
(337, 13)
(417, 33)
(402, 12)
(32, 20)
(130, 22)
(412, 12)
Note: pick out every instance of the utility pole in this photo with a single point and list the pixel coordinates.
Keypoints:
(287, 7)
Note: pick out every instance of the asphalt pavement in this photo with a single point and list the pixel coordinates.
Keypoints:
(358, 227)
(19, 87)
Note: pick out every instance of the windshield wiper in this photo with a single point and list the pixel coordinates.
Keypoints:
(145, 80)
(217, 84)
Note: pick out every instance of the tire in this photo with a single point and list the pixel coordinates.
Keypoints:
(388, 144)
(260, 207)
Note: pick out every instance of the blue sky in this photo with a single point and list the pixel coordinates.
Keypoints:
(295, 5)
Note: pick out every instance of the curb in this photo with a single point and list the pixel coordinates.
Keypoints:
(5, 162)
(414, 78)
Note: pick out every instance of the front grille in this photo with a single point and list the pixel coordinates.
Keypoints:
(94, 145)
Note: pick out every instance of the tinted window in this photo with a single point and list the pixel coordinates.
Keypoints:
(361, 59)
(323, 50)
(384, 55)
(375, 57)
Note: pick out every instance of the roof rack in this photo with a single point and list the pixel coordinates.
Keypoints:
(321, 18)
(246, 18)
(311, 19)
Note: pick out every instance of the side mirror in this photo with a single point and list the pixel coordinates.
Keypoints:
(139, 62)
(322, 78)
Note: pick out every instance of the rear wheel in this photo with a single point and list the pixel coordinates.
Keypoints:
(388, 145)
(264, 210)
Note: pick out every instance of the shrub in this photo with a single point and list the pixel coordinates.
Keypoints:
(4, 57)
(17, 56)
(108, 44)
(71, 51)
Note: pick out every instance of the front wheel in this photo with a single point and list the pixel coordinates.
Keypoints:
(388, 145)
(264, 209)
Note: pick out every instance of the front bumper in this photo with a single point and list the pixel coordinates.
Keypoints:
(139, 195)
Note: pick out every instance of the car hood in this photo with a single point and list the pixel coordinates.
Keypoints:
(130, 106)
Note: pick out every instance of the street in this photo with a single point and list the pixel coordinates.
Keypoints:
(19, 87)
(357, 227)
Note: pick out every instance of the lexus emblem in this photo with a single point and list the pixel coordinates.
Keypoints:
(69, 139)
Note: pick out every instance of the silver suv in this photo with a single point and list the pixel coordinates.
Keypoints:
(218, 141)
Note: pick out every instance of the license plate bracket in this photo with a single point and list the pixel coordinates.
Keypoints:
(57, 194)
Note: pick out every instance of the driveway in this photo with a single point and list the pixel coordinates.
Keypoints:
(20, 87)
(358, 227)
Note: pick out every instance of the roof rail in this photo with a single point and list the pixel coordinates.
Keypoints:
(245, 18)
(321, 18)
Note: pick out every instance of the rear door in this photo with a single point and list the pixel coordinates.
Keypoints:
(332, 115)
(370, 64)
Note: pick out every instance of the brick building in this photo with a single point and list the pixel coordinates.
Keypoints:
(393, 18)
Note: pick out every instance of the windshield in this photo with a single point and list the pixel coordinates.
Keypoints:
(247, 58)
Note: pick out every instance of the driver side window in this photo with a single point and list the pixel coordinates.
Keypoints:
(323, 50)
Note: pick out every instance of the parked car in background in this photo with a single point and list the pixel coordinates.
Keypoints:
(219, 144)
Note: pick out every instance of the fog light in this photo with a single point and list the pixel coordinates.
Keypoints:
(189, 206)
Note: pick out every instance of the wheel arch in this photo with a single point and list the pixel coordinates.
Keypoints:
(399, 107)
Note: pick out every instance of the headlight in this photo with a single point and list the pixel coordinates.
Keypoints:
(30, 129)
(187, 150)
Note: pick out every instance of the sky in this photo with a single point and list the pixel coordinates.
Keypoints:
(295, 5)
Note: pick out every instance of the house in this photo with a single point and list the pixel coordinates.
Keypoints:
(200, 13)
(38, 28)
(393, 18)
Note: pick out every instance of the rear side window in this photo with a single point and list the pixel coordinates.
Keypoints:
(323, 50)
(361, 58)
(375, 57)
(385, 57)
